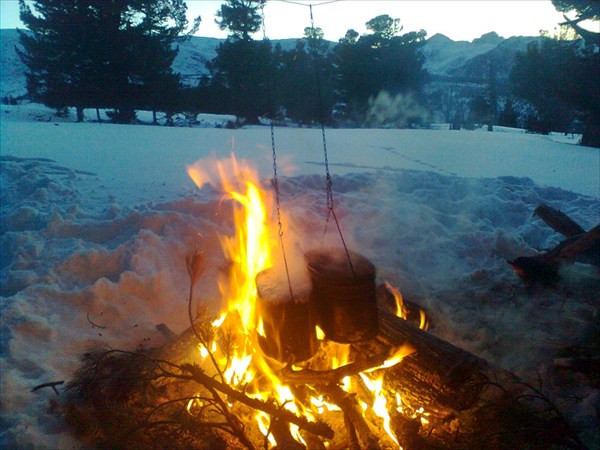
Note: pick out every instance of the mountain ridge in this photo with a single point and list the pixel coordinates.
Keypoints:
(444, 58)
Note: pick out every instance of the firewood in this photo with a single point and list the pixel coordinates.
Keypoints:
(283, 437)
(584, 245)
(438, 374)
(468, 400)
(308, 376)
(558, 221)
(353, 442)
(198, 375)
(349, 405)
(457, 389)
(543, 269)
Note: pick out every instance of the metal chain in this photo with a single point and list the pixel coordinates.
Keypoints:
(275, 179)
(328, 179)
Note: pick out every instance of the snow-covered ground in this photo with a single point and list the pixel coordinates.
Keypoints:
(97, 220)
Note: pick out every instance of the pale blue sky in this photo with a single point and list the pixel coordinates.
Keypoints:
(459, 20)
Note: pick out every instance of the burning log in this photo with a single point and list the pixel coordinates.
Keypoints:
(438, 376)
(353, 415)
(579, 245)
(469, 402)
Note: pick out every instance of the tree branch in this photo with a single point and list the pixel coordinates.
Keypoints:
(198, 375)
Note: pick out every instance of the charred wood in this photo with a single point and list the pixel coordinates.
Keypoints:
(558, 221)
(579, 245)
(349, 405)
(470, 402)
(283, 437)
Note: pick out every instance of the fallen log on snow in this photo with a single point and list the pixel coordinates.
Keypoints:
(579, 245)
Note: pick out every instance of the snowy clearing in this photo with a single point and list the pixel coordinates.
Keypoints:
(97, 220)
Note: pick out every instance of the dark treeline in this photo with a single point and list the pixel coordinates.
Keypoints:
(118, 55)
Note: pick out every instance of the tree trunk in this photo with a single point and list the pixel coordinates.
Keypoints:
(80, 114)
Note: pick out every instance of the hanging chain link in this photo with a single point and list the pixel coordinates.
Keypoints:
(275, 179)
(328, 179)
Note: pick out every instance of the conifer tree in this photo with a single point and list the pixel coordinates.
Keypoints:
(242, 73)
(240, 18)
(381, 60)
(585, 10)
(101, 53)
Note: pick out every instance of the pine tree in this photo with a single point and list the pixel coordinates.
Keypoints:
(560, 79)
(241, 74)
(101, 53)
(585, 10)
(378, 61)
(240, 18)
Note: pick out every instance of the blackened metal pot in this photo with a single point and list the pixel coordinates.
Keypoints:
(343, 296)
(288, 327)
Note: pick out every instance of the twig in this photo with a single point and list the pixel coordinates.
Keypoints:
(53, 385)
(353, 443)
(308, 376)
(194, 266)
(87, 315)
(198, 375)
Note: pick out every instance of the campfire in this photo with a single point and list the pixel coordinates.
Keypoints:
(307, 351)
(293, 336)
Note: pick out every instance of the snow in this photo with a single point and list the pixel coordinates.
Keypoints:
(97, 220)
(443, 55)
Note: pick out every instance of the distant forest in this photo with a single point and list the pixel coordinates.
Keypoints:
(118, 55)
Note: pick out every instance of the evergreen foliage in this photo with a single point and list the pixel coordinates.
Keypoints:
(560, 79)
(102, 53)
(585, 10)
(240, 18)
(382, 60)
(240, 77)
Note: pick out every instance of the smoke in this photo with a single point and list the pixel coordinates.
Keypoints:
(398, 111)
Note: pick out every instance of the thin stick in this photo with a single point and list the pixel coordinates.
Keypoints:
(87, 315)
(198, 375)
(45, 385)
(308, 376)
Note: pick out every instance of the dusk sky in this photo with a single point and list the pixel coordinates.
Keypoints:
(459, 20)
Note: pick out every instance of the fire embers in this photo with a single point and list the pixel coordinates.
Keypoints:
(343, 296)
